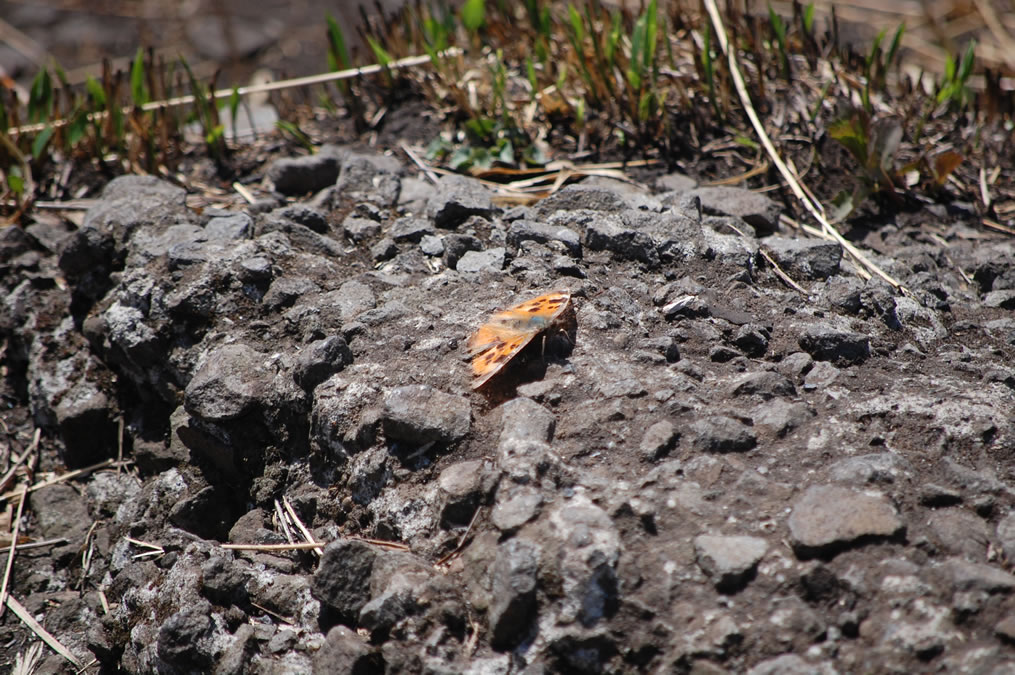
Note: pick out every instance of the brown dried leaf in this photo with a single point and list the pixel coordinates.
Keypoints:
(944, 164)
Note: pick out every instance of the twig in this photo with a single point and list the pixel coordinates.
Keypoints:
(740, 178)
(322, 78)
(461, 541)
(394, 545)
(425, 168)
(296, 546)
(119, 445)
(984, 190)
(283, 523)
(310, 546)
(299, 524)
(109, 463)
(283, 619)
(155, 548)
(37, 544)
(987, 222)
(813, 206)
(244, 192)
(9, 476)
(10, 553)
(44, 635)
(997, 29)
(781, 274)
(86, 554)
(25, 663)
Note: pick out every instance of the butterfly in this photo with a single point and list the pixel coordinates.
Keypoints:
(507, 332)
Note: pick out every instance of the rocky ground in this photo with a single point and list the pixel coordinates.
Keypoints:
(723, 474)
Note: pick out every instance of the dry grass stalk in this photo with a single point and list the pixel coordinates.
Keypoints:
(154, 549)
(277, 85)
(70, 475)
(299, 524)
(27, 661)
(37, 544)
(12, 548)
(43, 634)
(8, 477)
(814, 207)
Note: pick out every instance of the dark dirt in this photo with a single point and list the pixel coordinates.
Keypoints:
(723, 475)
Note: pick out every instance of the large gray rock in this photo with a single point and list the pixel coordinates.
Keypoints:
(582, 549)
(524, 419)
(233, 381)
(302, 175)
(880, 467)
(720, 433)
(729, 560)
(342, 579)
(455, 199)
(420, 414)
(321, 359)
(490, 260)
(828, 517)
(757, 210)
(363, 181)
(527, 230)
(611, 234)
(513, 587)
(574, 197)
(346, 652)
(827, 343)
(805, 258)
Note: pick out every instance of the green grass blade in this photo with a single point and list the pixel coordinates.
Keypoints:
(41, 141)
(473, 14)
(893, 48)
(138, 89)
(338, 52)
(95, 90)
(40, 97)
(966, 67)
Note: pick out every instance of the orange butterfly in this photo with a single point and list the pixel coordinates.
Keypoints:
(507, 333)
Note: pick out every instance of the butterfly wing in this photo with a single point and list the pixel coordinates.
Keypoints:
(494, 348)
(507, 333)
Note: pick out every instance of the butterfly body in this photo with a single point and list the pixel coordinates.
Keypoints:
(507, 332)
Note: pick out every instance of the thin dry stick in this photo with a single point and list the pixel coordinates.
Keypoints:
(427, 171)
(244, 192)
(109, 463)
(775, 266)
(461, 542)
(298, 546)
(322, 78)
(994, 225)
(299, 524)
(382, 543)
(26, 663)
(119, 445)
(155, 549)
(283, 619)
(87, 553)
(781, 274)
(13, 546)
(37, 544)
(9, 476)
(813, 207)
(44, 635)
(310, 546)
(283, 523)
